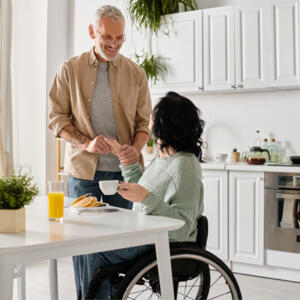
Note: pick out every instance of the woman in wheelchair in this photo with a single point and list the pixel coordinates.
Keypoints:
(171, 186)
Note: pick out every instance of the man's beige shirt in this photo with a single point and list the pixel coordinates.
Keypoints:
(71, 103)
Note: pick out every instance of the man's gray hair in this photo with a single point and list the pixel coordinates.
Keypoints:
(108, 11)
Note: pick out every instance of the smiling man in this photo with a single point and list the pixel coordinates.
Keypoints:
(100, 94)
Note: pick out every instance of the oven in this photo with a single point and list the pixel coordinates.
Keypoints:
(282, 211)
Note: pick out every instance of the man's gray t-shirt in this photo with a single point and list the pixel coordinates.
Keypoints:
(102, 117)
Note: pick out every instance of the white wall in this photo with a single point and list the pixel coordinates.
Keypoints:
(232, 119)
(28, 86)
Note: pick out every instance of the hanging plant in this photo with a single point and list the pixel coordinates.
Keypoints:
(152, 66)
(147, 13)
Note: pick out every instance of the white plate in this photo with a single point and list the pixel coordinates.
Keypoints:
(90, 210)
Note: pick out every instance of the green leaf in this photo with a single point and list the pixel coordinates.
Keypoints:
(152, 66)
(16, 191)
(147, 13)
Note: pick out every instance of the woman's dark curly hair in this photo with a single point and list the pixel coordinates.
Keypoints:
(177, 123)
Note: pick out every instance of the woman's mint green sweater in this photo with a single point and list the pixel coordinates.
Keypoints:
(176, 190)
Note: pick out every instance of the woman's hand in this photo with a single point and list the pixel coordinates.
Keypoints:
(133, 192)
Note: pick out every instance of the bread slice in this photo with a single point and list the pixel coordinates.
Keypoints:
(87, 202)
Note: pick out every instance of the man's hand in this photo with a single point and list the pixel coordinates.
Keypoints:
(128, 155)
(98, 145)
(133, 192)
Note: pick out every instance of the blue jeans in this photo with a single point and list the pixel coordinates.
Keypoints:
(90, 264)
(78, 187)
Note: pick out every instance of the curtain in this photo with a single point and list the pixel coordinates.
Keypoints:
(6, 149)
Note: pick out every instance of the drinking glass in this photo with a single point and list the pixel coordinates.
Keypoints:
(56, 200)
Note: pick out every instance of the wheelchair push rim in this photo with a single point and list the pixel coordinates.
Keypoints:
(222, 283)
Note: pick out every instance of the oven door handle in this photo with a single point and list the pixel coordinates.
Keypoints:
(288, 196)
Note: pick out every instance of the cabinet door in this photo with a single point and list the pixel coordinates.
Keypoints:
(251, 46)
(218, 46)
(216, 209)
(246, 215)
(285, 39)
(179, 45)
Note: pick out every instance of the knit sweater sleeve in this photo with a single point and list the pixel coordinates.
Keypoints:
(132, 173)
(186, 204)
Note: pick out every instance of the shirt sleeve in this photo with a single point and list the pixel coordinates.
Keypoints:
(132, 173)
(143, 107)
(186, 204)
(59, 102)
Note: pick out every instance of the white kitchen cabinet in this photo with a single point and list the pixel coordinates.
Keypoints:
(235, 47)
(284, 42)
(251, 46)
(181, 52)
(246, 217)
(218, 48)
(215, 184)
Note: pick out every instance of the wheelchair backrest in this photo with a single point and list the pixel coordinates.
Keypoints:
(202, 233)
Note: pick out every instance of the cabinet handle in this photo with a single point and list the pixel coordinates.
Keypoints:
(233, 86)
(240, 86)
(200, 88)
(260, 178)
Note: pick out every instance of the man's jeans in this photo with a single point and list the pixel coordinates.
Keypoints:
(78, 187)
(90, 263)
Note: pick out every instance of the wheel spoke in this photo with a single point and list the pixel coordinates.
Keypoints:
(216, 280)
(185, 296)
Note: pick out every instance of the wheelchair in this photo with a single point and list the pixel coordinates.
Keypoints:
(197, 274)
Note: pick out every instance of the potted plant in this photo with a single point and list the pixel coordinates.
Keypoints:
(16, 191)
(150, 146)
(148, 14)
(152, 66)
(235, 155)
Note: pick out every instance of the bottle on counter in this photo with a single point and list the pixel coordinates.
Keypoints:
(274, 151)
(257, 143)
(266, 146)
(257, 140)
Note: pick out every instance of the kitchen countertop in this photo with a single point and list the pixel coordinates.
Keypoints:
(245, 167)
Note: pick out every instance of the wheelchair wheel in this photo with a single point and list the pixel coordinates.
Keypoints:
(213, 279)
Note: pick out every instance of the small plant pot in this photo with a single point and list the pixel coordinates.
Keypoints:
(235, 156)
(150, 149)
(12, 220)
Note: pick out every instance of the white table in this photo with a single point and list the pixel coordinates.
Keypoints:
(83, 234)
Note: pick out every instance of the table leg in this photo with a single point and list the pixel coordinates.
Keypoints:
(53, 279)
(162, 248)
(6, 280)
(21, 280)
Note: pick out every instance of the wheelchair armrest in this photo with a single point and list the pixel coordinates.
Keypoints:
(202, 234)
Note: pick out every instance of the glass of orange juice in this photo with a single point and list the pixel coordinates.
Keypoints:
(56, 200)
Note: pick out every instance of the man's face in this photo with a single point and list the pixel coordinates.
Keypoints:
(108, 36)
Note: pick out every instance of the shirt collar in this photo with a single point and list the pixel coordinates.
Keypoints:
(93, 59)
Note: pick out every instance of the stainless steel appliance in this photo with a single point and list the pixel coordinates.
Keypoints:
(282, 211)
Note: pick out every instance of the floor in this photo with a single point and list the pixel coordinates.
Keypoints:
(253, 288)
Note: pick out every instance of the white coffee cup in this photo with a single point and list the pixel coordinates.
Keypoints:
(109, 187)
